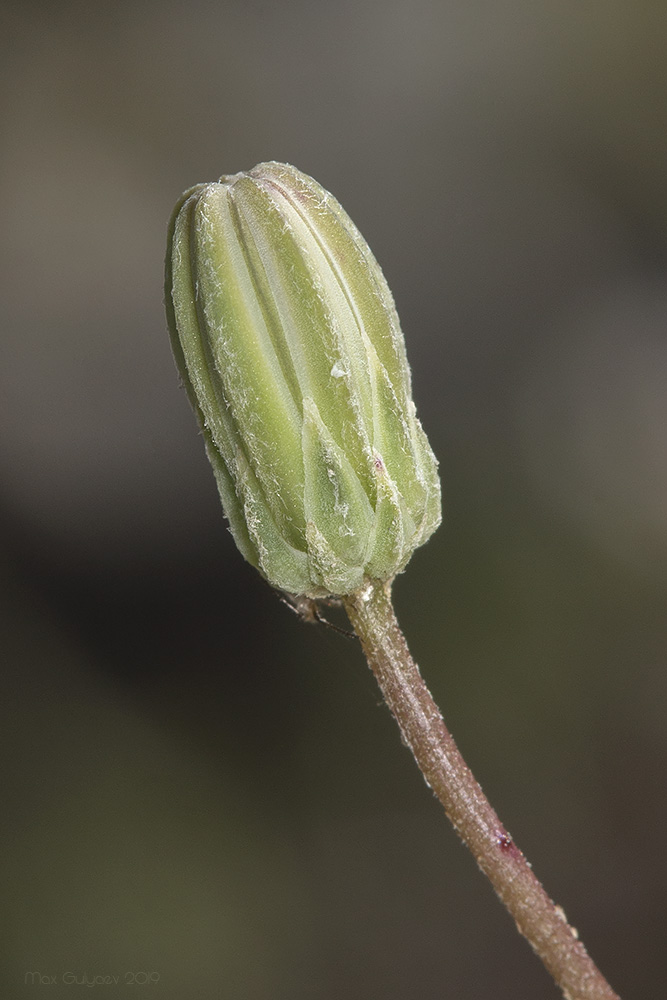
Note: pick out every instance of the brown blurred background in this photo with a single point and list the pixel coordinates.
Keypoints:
(196, 786)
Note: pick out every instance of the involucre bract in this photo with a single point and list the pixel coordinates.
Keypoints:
(287, 339)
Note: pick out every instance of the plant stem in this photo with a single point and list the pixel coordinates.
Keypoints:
(537, 918)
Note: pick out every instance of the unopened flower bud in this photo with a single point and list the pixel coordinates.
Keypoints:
(287, 339)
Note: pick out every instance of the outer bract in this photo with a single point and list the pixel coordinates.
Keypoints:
(287, 339)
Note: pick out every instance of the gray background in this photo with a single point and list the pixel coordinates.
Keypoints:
(194, 783)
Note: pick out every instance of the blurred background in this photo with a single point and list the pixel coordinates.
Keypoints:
(203, 796)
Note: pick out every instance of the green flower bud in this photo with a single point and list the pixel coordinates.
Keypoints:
(287, 339)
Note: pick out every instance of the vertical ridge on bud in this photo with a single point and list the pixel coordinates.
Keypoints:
(256, 394)
(287, 339)
(334, 496)
(311, 315)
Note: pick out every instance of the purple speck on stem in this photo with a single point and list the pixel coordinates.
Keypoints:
(504, 841)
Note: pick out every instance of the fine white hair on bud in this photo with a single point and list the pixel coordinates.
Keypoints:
(287, 339)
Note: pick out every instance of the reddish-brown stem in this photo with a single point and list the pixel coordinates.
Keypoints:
(537, 918)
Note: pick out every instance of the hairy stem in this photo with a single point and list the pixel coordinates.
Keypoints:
(537, 918)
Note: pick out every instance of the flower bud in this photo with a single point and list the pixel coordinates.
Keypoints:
(286, 336)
